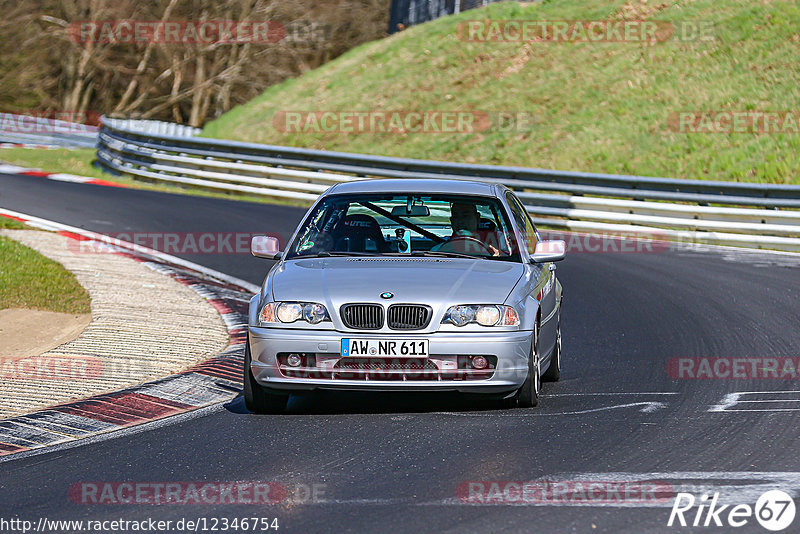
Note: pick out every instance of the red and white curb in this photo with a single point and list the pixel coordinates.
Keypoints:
(57, 176)
(215, 380)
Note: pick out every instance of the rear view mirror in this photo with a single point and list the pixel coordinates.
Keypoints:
(546, 251)
(415, 211)
(264, 246)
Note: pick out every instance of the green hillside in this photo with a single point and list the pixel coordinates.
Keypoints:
(589, 106)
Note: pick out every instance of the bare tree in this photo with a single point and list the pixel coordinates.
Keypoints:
(51, 60)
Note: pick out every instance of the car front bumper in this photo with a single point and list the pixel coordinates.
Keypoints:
(511, 348)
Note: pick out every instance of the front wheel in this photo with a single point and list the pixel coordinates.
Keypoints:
(256, 398)
(553, 373)
(528, 395)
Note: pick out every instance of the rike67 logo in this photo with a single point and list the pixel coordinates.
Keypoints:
(774, 510)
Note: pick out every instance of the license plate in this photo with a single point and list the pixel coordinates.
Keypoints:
(412, 348)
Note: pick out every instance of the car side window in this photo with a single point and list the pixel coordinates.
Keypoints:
(523, 221)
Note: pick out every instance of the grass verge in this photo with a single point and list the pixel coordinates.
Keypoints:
(592, 106)
(10, 224)
(30, 280)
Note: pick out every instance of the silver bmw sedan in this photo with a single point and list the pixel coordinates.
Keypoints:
(407, 285)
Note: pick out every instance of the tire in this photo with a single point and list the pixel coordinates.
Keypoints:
(528, 395)
(553, 373)
(256, 398)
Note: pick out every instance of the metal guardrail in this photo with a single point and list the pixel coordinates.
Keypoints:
(153, 127)
(42, 131)
(744, 214)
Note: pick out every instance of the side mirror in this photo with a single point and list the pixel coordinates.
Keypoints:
(546, 251)
(264, 246)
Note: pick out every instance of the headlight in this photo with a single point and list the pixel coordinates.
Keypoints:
(487, 315)
(484, 315)
(460, 315)
(314, 313)
(289, 312)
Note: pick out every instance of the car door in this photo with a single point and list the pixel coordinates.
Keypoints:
(544, 273)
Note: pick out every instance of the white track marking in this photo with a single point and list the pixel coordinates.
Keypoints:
(611, 394)
(769, 400)
(733, 399)
(648, 406)
(11, 169)
(727, 401)
(734, 487)
(62, 177)
(748, 485)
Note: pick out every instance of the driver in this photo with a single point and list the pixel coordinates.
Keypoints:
(464, 220)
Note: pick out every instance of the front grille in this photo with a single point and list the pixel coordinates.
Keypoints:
(385, 369)
(408, 316)
(328, 366)
(362, 316)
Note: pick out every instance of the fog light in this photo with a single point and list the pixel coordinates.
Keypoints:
(480, 362)
(294, 360)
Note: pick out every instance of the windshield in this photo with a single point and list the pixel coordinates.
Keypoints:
(414, 224)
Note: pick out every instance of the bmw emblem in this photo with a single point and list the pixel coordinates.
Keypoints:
(387, 295)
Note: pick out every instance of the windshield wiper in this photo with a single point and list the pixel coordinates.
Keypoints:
(442, 254)
(328, 253)
(417, 253)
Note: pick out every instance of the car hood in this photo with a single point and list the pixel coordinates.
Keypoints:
(436, 282)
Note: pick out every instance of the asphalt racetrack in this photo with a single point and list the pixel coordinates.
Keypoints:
(625, 410)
